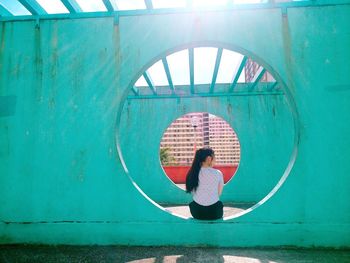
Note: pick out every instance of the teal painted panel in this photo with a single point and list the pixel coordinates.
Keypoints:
(7, 105)
(323, 95)
(60, 169)
(57, 124)
(210, 29)
(264, 126)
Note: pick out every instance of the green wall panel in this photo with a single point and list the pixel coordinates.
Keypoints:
(263, 124)
(63, 84)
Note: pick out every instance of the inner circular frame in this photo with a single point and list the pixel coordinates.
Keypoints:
(234, 134)
(287, 93)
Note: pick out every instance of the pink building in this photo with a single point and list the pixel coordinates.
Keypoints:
(196, 130)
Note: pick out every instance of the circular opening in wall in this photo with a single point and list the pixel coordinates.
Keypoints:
(193, 131)
(237, 86)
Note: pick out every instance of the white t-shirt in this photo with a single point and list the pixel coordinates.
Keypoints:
(207, 191)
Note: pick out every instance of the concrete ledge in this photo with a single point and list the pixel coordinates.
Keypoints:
(194, 233)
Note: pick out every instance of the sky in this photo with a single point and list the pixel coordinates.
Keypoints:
(204, 63)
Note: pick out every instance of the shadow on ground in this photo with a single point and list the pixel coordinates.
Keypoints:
(118, 254)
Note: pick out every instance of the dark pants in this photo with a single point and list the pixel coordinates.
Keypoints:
(211, 212)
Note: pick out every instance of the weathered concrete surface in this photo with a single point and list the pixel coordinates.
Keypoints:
(62, 82)
(115, 254)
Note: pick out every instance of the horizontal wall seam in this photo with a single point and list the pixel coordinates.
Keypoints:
(191, 221)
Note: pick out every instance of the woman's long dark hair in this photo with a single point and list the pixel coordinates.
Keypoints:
(193, 173)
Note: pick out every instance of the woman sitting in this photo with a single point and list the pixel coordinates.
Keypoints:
(206, 184)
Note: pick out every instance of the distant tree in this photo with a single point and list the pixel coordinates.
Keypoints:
(165, 157)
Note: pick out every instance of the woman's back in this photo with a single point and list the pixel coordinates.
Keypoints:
(205, 183)
(209, 181)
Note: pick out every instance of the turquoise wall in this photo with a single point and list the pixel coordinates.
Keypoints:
(63, 86)
(263, 124)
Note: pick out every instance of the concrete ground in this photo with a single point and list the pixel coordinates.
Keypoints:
(183, 210)
(230, 209)
(117, 254)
